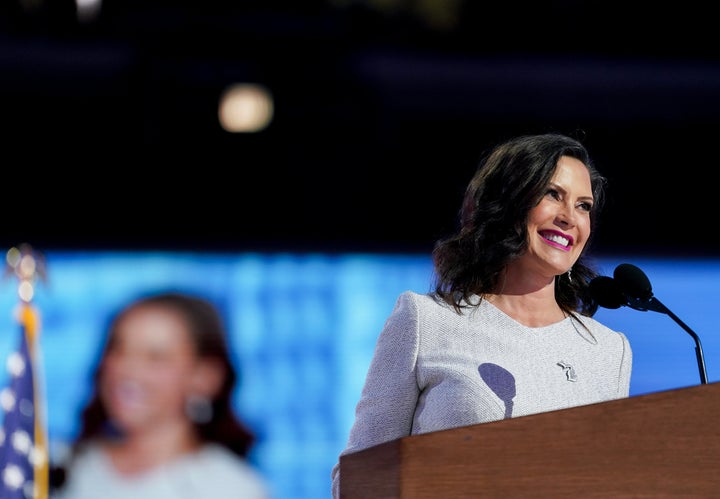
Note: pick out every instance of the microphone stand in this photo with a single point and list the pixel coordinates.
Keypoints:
(656, 306)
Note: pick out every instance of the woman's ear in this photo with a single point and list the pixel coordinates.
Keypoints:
(207, 378)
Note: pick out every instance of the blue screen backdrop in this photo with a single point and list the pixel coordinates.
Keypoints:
(302, 329)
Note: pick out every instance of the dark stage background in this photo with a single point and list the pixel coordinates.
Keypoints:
(110, 135)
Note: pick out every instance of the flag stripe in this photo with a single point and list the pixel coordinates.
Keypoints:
(24, 462)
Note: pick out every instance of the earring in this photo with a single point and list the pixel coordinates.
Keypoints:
(199, 409)
(569, 273)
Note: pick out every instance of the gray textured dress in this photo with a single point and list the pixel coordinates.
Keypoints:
(434, 369)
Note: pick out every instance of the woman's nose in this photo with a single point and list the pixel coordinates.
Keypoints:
(565, 215)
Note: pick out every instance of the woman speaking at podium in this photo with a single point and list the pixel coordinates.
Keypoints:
(508, 329)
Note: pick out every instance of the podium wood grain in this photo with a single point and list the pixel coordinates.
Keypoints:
(663, 444)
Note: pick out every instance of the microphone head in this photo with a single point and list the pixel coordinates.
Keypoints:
(606, 292)
(632, 281)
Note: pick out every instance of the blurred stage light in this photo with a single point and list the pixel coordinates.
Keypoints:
(245, 108)
(87, 10)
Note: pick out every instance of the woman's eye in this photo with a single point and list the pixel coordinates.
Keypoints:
(585, 206)
(553, 193)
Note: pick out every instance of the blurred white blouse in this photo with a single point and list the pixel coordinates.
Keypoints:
(211, 473)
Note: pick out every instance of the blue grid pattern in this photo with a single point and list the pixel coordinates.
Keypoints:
(302, 330)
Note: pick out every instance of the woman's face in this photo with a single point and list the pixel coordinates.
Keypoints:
(559, 226)
(145, 377)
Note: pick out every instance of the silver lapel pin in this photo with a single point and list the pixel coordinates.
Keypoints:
(569, 371)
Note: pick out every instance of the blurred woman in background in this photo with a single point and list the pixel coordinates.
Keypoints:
(159, 424)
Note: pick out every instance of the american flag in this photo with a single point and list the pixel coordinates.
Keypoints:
(24, 466)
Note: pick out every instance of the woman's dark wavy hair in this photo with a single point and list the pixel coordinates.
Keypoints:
(507, 184)
(208, 335)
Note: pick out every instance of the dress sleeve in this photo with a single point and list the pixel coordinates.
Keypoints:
(625, 367)
(389, 396)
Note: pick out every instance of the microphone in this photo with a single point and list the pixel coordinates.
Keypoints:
(630, 288)
(633, 281)
(631, 285)
(636, 287)
(606, 292)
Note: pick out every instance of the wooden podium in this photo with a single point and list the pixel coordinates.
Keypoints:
(663, 444)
